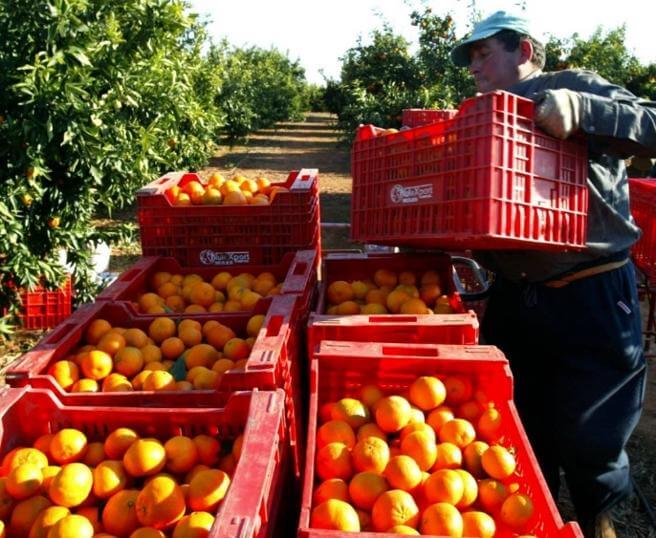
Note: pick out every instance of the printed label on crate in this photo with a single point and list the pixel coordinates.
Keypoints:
(210, 257)
(411, 194)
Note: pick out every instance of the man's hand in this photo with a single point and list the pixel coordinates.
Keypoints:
(558, 112)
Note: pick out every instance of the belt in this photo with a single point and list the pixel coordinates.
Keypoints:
(585, 273)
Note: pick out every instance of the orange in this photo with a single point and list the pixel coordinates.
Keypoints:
(92, 513)
(470, 491)
(42, 443)
(430, 277)
(116, 383)
(472, 454)
(25, 514)
(348, 308)
(498, 462)
(416, 415)
(97, 364)
(160, 503)
(335, 431)
(444, 485)
(218, 336)
(228, 464)
(421, 448)
(128, 361)
(98, 328)
(118, 441)
(263, 184)
(166, 290)
(373, 309)
(72, 525)
(137, 380)
(429, 293)
(449, 456)
(334, 461)
(339, 292)
(414, 306)
(72, 485)
(459, 389)
(24, 481)
(85, 385)
(458, 431)
(516, 511)
(119, 516)
(207, 489)
(161, 328)
(350, 410)
(183, 385)
(172, 347)
(491, 494)
(402, 472)
(365, 488)
(189, 336)
(181, 454)
(365, 520)
(254, 325)
(333, 488)
(220, 280)
(95, 454)
(394, 507)
(438, 417)
(417, 427)
(442, 519)
(68, 445)
(470, 410)
(236, 349)
(111, 342)
(221, 366)
(208, 449)
(489, 425)
(402, 529)
(202, 293)
(65, 373)
(427, 392)
(109, 477)
(150, 353)
(48, 474)
(21, 455)
(249, 299)
(478, 524)
(194, 471)
(194, 525)
(206, 379)
(144, 457)
(376, 296)
(392, 413)
(371, 454)
(335, 515)
(395, 299)
(370, 430)
(159, 380)
(46, 520)
(385, 277)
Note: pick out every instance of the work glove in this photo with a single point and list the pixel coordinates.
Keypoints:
(558, 112)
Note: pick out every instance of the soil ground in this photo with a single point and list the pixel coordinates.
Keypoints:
(314, 144)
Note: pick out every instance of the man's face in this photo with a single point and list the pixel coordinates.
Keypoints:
(492, 66)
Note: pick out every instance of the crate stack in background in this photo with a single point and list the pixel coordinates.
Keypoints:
(396, 372)
(204, 336)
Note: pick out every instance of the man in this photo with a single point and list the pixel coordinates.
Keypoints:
(569, 322)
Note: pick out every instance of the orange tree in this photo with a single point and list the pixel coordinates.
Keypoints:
(97, 97)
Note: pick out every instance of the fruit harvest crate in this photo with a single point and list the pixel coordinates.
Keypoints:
(341, 369)
(458, 328)
(273, 362)
(416, 117)
(229, 235)
(42, 308)
(250, 507)
(296, 271)
(643, 208)
(486, 179)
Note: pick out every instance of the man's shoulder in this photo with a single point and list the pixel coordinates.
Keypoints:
(572, 79)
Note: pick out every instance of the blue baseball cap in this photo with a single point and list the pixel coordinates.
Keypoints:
(501, 20)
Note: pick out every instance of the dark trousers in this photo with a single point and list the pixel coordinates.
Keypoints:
(579, 376)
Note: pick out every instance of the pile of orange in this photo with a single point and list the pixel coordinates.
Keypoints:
(239, 190)
(191, 294)
(117, 359)
(388, 292)
(432, 461)
(123, 486)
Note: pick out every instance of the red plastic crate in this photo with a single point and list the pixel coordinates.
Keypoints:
(415, 117)
(296, 271)
(643, 208)
(340, 369)
(229, 235)
(250, 507)
(458, 328)
(486, 179)
(42, 308)
(273, 362)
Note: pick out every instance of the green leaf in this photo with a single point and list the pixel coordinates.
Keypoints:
(179, 369)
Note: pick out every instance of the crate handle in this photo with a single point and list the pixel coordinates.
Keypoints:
(305, 179)
(415, 351)
(299, 272)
